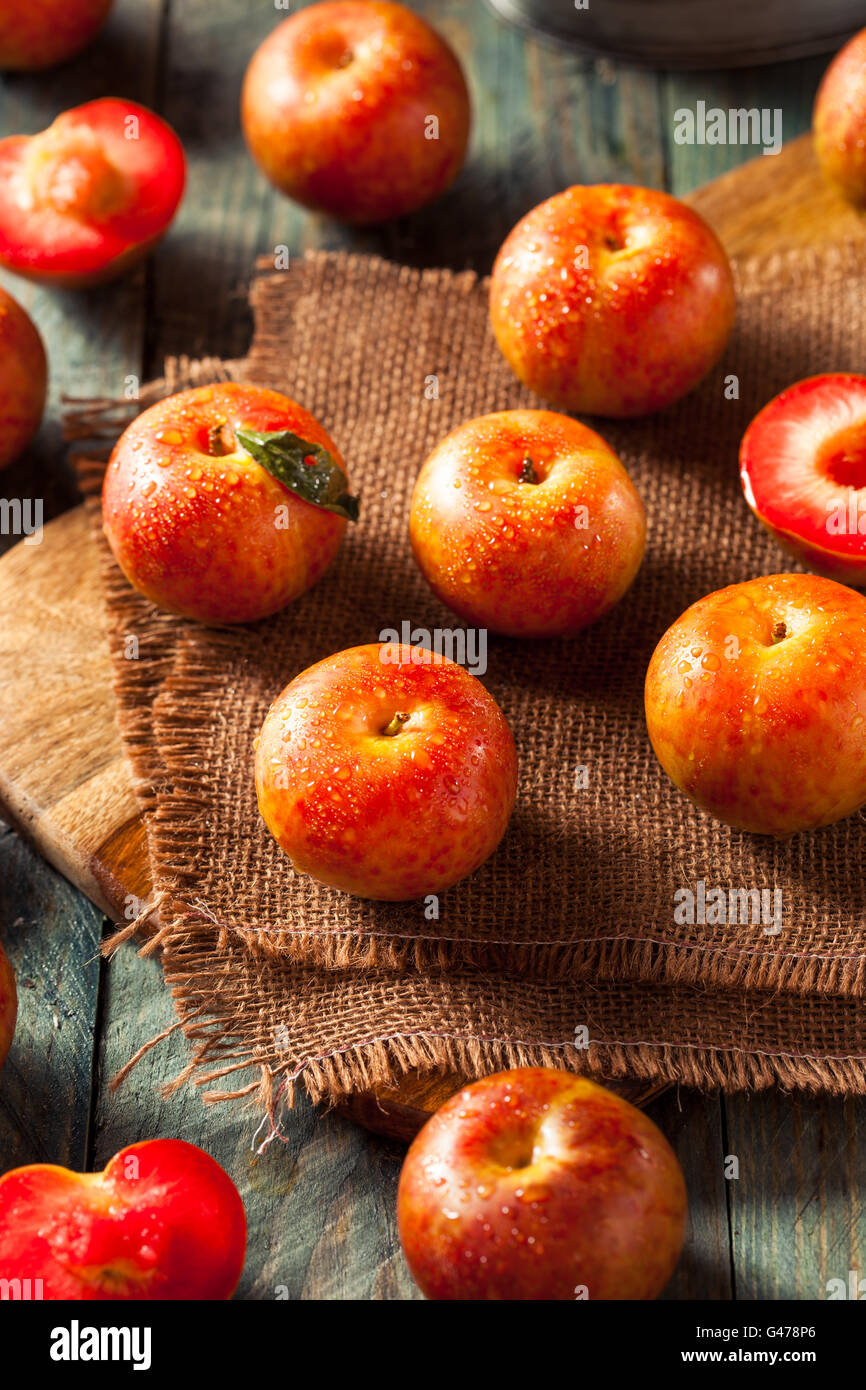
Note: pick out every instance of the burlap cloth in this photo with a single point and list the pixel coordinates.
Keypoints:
(571, 924)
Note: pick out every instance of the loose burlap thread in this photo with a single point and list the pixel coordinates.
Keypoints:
(570, 926)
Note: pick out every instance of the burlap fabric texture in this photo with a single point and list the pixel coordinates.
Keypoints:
(572, 923)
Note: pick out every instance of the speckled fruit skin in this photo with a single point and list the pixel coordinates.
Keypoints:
(389, 816)
(528, 559)
(536, 1184)
(336, 103)
(40, 33)
(839, 121)
(162, 1222)
(197, 533)
(756, 703)
(612, 300)
(23, 377)
(8, 1005)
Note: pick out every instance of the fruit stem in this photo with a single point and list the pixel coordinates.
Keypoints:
(527, 471)
(219, 441)
(395, 725)
(780, 631)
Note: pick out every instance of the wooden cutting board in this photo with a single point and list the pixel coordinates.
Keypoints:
(64, 780)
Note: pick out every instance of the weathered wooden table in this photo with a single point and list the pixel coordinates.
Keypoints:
(321, 1212)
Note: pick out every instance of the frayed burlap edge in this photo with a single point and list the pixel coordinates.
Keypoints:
(228, 1043)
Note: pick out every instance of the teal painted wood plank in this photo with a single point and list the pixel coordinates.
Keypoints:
(797, 1210)
(51, 935)
(693, 1125)
(198, 306)
(787, 87)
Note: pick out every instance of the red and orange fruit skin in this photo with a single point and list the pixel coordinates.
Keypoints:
(215, 536)
(612, 300)
(36, 34)
(162, 1222)
(756, 703)
(839, 121)
(87, 199)
(23, 379)
(535, 558)
(537, 1184)
(336, 107)
(389, 816)
(803, 472)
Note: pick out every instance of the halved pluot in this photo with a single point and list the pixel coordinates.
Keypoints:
(803, 470)
(162, 1222)
(89, 197)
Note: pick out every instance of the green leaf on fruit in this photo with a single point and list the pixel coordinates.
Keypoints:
(306, 469)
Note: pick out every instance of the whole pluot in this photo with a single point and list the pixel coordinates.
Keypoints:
(526, 522)
(839, 121)
(201, 527)
(536, 1184)
(356, 108)
(756, 703)
(612, 300)
(386, 771)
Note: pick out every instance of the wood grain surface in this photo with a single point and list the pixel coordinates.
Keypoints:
(321, 1211)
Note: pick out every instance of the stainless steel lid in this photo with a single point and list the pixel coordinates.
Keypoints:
(691, 33)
